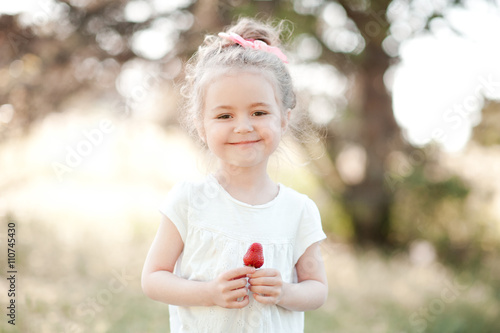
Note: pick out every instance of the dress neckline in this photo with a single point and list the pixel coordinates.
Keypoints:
(244, 204)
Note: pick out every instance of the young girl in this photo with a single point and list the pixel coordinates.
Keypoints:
(240, 97)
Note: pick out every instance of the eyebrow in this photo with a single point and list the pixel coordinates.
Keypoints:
(253, 105)
(222, 107)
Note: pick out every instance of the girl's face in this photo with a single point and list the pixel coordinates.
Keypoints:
(242, 121)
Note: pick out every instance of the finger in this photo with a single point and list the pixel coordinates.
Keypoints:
(236, 273)
(236, 284)
(266, 281)
(239, 304)
(236, 296)
(262, 281)
(265, 291)
(264, 272)
(264, 299)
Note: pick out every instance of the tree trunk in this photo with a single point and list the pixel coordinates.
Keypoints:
(369, 202)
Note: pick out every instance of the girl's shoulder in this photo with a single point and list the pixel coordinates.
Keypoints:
(295, 197)
(188, 185)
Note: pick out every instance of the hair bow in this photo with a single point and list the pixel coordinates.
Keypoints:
(254, 44)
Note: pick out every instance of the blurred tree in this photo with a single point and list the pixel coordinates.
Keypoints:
(487, 133)
(79, 47)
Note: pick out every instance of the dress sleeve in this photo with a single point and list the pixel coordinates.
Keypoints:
(175, 207)
(310, 230)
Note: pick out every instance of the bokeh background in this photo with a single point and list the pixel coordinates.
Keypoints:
(404, 96)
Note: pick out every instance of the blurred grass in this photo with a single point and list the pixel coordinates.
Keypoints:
(73, 287)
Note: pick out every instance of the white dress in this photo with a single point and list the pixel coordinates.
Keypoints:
(217, 230)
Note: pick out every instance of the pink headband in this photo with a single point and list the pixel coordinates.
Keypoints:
(253, 44)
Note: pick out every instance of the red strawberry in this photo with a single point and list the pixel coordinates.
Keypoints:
(254, 256)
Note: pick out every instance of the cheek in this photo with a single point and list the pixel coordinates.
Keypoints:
(213, 134)
(273, 130)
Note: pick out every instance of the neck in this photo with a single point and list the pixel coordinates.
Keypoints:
(250, 185)
(245, 178)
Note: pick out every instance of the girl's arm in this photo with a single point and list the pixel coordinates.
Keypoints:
(160, 284)
(311, 290)
(308, 294)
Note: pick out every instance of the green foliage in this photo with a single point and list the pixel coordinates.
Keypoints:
(452, 187)
(283, 10)
(438, 209)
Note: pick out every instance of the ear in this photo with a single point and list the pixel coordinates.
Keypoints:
(285, 120)
(201, 131)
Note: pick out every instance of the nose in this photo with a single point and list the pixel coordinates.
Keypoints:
(243, 125)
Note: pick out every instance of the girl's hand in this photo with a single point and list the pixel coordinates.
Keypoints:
(267, 285)
(229, 286)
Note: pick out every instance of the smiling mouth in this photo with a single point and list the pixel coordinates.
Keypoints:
(243, 142)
